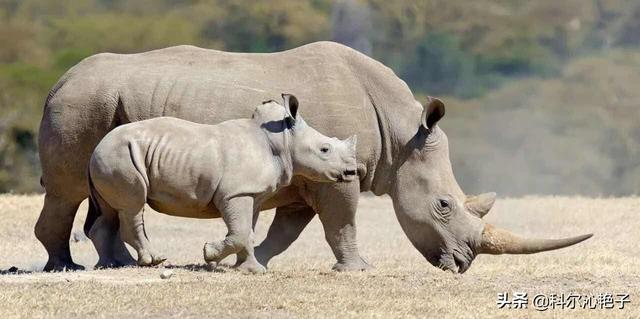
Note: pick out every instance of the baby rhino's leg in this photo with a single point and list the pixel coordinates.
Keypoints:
(250, 263)
(242, 255)
(133, 233)
(238, 216)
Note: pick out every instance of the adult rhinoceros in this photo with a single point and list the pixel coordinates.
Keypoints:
(401, 151)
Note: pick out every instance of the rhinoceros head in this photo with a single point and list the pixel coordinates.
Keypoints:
(443, 223)
(313, 155)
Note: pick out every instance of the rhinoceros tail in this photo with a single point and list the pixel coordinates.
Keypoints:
(94, 208)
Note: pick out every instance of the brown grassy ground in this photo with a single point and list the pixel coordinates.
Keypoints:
(300, 284)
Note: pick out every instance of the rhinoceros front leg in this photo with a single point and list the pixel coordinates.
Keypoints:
(286, 227)
(336, 205)
(243, 255)
(238, 216)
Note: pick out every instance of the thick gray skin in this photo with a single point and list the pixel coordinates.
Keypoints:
(194, 170)
(401, 151)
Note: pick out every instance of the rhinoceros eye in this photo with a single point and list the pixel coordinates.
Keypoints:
(325, 149)
(443, 207)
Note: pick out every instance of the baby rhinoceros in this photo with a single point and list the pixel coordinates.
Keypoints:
(194, 170)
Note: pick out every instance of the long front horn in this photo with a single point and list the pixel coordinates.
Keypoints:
(496, 241)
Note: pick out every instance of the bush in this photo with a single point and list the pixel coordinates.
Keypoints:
(440, 66)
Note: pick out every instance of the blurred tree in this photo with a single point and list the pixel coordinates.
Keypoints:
(630, 27)
(508, 60)
(440, 66)
(268, 26)
(19, 40)
(352, 26)
(22, 91)
(121, 33)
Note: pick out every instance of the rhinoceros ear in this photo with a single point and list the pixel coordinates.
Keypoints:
(432, 113)
(290, 103)
(352, 141)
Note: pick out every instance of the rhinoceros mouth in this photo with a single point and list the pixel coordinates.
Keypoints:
(349, 172)
(450, 261)
(461, 264)
(346, 176)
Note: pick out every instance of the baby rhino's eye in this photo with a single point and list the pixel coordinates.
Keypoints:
(325, 148)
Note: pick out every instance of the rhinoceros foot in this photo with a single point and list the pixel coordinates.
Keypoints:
(352, 265)
(150, 259)
(251, 266)
(106, 264)
(213, 252)
(57, 265)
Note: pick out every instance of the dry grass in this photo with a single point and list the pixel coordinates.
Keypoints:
(299, 283)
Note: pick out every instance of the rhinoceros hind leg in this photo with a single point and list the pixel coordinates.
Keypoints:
(101, 234)
(53, 230)
(119, 255)
(119, 258)
(106, 239)
(132, 232)
(120, 252)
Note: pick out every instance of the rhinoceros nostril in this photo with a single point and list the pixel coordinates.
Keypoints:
(350, 172)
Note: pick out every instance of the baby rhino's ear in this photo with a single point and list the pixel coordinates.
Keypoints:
(352, 141)
(290, 103)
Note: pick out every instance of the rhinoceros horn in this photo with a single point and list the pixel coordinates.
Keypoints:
(480, 205)
(496, 241)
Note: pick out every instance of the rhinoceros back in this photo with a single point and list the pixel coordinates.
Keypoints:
(200, 85)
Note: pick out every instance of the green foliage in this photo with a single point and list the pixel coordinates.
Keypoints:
(575, 134)
(23, 88)
(66, 58)
(25, 77)
(120, 33)
(440, 66)
(250, 26)
(484, 52)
